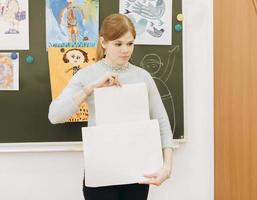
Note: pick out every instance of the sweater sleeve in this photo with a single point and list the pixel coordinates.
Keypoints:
(63, 106)
(157, 111)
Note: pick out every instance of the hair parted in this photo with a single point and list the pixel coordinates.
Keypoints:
(113, 27)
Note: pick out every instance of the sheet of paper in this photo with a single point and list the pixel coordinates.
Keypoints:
(14, 24)
(122, 153)
(152, 20)
(121, 104)
(9, 71)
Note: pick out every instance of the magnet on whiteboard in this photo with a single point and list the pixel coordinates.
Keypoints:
(14, 55)
(29, 59)
(178, 27)
(180, 17)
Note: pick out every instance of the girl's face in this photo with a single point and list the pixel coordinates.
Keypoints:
(75, 57)
(119, 51)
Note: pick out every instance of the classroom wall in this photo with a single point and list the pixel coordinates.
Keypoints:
(58, 175)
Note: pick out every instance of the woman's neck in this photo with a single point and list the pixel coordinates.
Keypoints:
(114, 68)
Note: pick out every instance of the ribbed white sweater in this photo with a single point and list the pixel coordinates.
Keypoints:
(63, 107)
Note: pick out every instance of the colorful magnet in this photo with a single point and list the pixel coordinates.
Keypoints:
(29, 59)
(178, 27)
(180, 17)
(14, 55)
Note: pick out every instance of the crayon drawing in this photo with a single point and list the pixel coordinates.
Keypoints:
(9, 71)
(72, 23)
(65, 63)
(14, 27)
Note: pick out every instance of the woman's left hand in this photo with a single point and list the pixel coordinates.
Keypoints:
(158, 177)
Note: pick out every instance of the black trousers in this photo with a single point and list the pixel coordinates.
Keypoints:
(117, 192)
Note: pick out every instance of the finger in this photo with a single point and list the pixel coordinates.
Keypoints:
(147, 181)
(150, 175)
(111, 82)
(117, 82)
(113, 75)
(150, 182)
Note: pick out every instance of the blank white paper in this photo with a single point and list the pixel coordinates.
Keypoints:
(121, 153)
(121, 104)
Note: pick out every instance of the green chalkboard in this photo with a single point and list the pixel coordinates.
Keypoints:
(23, 113)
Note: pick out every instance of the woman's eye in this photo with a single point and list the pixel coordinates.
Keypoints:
(78, 57)
(130, 44)
(118, 44)
(73, 56)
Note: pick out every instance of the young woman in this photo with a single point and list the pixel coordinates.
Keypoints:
(115, 46)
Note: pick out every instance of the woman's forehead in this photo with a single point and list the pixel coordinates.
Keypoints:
(127, 37)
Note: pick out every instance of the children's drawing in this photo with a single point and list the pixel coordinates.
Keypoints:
(8, 71)
(75, 57)
(161, 74)
(152, 20)
(14, 24)
(65, 63)
(72, 23)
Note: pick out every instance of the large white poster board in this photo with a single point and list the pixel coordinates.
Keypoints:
(122, 153)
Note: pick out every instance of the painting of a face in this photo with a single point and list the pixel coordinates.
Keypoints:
(75, 57)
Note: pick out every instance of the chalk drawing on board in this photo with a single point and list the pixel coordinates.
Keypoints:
(161, 74)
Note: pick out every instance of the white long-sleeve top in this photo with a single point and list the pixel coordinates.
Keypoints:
(63, 107)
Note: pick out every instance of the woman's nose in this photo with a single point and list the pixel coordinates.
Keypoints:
(124, 48)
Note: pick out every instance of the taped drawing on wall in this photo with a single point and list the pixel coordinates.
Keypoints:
(9, 71)
(72, 23)
(152, 20)
(65, 63)
(14, 26)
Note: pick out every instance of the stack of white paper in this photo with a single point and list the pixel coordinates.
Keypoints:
(125, 143)
(126, 104)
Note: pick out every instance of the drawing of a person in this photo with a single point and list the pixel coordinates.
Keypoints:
(75, 57)
(71, 20)
(9, 12)
(161, 74)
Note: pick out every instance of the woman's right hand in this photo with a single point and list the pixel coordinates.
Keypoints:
(105, 81)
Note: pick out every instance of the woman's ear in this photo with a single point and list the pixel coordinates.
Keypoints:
(102, 42)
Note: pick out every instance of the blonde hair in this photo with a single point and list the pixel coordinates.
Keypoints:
(113, 27)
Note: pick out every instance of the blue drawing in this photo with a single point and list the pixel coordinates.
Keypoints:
(140, 25)
(147, 16)
(72, 23)
(127, 4)
(153, 12)
(155, 32)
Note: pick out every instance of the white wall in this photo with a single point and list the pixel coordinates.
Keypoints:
(58, 175)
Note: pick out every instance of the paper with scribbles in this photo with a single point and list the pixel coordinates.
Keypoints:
(152, 20)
